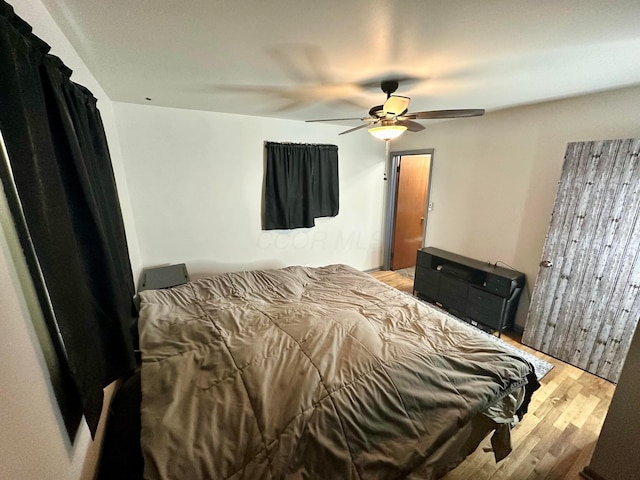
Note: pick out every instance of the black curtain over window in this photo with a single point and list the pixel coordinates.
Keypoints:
(62, 171)
(301, 184)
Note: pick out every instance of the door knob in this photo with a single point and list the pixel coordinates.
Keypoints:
(546, 263)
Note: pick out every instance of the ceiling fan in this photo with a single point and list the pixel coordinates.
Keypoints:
(392, 119)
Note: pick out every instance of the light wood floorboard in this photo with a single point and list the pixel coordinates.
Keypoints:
(556, 438)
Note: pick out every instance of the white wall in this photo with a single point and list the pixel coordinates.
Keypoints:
(196, 181)
(33, 440)
(495, 177)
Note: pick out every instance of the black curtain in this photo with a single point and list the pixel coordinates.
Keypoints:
(301, 184)
(62, 171)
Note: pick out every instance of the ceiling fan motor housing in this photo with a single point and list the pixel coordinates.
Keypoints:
(376, 111)
(389, 86)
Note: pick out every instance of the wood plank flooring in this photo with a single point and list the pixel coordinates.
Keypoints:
(556, 438)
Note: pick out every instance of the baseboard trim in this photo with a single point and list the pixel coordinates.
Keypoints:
(588, 473)
(371, 270)
(518, 329)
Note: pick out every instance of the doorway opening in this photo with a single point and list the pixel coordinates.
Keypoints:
(407, 207)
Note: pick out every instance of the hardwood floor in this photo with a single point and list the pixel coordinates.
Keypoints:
(556, 438)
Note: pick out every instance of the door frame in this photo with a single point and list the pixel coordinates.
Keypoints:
(393, 161)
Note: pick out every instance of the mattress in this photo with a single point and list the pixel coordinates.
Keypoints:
(316, 373)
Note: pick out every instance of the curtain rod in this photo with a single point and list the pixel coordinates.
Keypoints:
(302, 144)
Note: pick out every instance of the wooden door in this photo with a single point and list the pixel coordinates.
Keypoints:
(410, 212)
(586, 301)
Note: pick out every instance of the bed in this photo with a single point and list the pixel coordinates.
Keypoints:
(316, 373)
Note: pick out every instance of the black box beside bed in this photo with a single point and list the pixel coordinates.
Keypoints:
(310, 373)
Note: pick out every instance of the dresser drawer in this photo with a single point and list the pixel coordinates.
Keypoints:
(453, 293)
(485, 307)
(485, 318)
(427, 282)
(501, 286)
(423, 259)
(427, 276)
(485, 301)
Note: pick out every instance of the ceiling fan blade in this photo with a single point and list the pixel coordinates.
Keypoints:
(395, 105)
(411, 126)
(337, 119)
(446, 114)
(356, 128)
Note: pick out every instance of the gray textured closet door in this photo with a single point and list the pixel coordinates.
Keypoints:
(586, 304)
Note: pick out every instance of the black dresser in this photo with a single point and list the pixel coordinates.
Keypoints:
(477, 292)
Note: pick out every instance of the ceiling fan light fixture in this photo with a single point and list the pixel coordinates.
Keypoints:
(387, 132)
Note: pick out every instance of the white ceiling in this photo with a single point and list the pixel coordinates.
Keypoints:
(306, 59)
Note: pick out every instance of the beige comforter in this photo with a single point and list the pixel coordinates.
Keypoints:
(307, 373)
